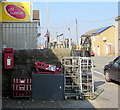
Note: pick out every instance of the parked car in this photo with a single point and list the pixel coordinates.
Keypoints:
(112, 70)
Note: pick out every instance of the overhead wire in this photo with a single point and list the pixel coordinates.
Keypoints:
(97, 21)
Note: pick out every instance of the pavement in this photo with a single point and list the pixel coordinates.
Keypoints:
(17, 103)
(108, 98)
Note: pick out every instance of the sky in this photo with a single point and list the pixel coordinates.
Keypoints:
(59, 16)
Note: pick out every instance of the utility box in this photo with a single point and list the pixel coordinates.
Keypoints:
(48, 86)
(8, 58)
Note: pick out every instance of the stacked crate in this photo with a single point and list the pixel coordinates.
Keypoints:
(71, 76)
(86, 76)
(21, 87)
(78, 77)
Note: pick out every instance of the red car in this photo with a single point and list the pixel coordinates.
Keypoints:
(92, 53)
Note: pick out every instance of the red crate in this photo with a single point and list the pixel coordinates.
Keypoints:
(30, 81)
(22, 80)
(43, 68)
(22, 87)
(16, 81)
(16, 87)
(30, 87)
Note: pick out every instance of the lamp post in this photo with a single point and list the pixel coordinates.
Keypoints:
(69, 38)
(76, 33)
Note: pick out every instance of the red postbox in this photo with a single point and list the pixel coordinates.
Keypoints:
(8, 58)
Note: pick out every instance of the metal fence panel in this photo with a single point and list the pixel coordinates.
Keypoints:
(20, 35)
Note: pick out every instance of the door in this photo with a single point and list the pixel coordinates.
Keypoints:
(98, 52)
(108, 49)
(48, 86)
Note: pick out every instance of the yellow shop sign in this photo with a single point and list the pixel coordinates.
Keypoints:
(15, 11)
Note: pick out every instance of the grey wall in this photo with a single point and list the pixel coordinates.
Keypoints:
(21, 35)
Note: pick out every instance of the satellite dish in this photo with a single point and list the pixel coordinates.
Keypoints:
(104, 39)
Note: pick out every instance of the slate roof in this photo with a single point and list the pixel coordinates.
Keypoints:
(101, 30)
(95, 31)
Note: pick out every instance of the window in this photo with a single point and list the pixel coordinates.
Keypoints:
(117, 62)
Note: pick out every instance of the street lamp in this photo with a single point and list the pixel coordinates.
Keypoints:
(69, 37)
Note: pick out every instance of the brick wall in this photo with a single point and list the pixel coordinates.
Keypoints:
(24, 64)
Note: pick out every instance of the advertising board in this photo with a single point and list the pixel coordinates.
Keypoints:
(15, 11)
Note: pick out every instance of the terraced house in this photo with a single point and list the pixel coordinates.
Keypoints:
(102, 40)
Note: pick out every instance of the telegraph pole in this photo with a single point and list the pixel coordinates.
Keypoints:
(76, 32)
(48, 28)
(69, 37)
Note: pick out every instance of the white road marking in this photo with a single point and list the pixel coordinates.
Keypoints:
(99, 73)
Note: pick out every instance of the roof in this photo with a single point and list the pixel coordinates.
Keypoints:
(89, 33)
(101, 30)
(96, 31)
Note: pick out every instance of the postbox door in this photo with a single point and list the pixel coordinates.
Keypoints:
(8, 61)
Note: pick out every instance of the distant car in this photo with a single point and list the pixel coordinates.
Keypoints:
(112, 70)
(92, 53)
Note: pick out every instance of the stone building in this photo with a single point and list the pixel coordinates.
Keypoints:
(117, 36)
(102, 40)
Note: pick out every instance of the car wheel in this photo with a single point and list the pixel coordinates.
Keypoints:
(107, 76)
